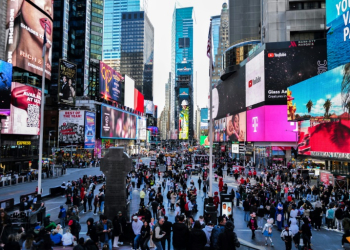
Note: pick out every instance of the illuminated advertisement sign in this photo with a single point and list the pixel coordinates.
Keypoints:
(138, 101)
(325, 138)
(71, 126)
(117, 124)
(269, 123)
(24, 116)
(325, 96)
(204, 118)
(255, 80)
(236, 127)
(90, 121)
(338, 35)
(235, 148)
(67, 82)
(220, 130)
(149, 107)
(184, 113)
(288, 65)
(129, 95)
(26, 23)
(5, 87)
(110, 83)
(142, 128)
(184, 68)
(229, 96)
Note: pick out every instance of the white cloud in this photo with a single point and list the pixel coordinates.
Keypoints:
(336, 107)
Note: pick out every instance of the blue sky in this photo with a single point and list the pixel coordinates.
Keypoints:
(318, 89)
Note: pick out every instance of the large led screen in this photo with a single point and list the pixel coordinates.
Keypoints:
(184, 116)
(269, 123)
(67, 82)
(204, 118)
(325, 138)
(5, 87)
(26, 22)
(71, 127)
(229, 96)
(129, 94)
(290, 65)
(117, 124)
(236, 127)
(110, 83)
(138, 101)
(325, 96)
(255, 80)
(220, 130)
(90, 124)
(142, 128)
(24, 111)
(338, 34)
(149, 107)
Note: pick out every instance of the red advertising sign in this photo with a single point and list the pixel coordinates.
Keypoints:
(326, 178)
(223, 148)
(138, 101)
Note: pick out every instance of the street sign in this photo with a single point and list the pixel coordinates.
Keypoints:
(24, 143)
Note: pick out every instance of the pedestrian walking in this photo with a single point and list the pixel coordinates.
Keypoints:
(252, 224)
(267, 231)
(62, 216)
(158, 234)
(286, 236)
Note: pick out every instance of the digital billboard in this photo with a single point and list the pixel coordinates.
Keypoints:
(204, 118)
(184, 68)
(286, 66)
(117, 124)
(326, 96)
(338, 34)
(236, 127)
(204, 140)
(184, 116)
(229, 96)
(26, 22)
(25, 106)
(220, 130)
(129, 95)
(325, 138)
(90, 124)
(138, 101)
(110, 83)
(71, 126)
(149, 107)
(5, 87)
(67, 82)
(255, 80)
(269, 123)
(142, 128)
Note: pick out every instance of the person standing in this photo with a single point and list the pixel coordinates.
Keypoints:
(207, 230)
(180, 234)
(89, 198)
(286, 236)
(339, 218)
(252, 224)
(167, 226)
(158, 233)
(267, 231)
(142, 197)
(116, 231)
(228, 239)
(145, 236)
(136, 228)
(199, 183)
(198, 237)
(246, 207)
(104, 230)
(217, 230)
(62, 216)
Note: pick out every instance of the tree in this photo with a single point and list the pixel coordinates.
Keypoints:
(327, 106)
(309, 105)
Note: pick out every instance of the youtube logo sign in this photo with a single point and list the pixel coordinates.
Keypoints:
(254, 81)
(271, 55)
(250, 83)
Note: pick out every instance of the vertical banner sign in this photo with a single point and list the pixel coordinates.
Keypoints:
(90, 120)
(5, 87)
(110, 83)
(66, 83)
(184, 114)
(71, 127)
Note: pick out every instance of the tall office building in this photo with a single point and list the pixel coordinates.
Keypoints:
(112, 27)
(137, 46)
(181, 60)
(220, 41)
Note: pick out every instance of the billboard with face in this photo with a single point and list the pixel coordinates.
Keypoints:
(325, 96)
(184, 117)
(255, 80)
(26, 22)
(229, 97)
(149, 107)
(66, 84)
(24, 111)
(220, 130)
(338, 35)
(5, 87)
(269, 123)
(90, 121)
(236, 127)
(71, 126)
(117, 124)
(110, 83)
(291, 64)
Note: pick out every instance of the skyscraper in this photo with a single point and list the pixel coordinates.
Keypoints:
(112, 27)
(137, 45)
(181, 61)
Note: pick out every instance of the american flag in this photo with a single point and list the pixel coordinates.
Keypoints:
(209, 43)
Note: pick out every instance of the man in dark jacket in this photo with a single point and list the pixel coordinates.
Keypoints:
(154, 205)
(217, 230)
(180, 234)
(198, 239)
(91, 231)
(339, 218)
(228, 239)
(167, 229)
(246, 207)
(104, 230)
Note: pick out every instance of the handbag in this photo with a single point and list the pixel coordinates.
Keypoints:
(270, 230)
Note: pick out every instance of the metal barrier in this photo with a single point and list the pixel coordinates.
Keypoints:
(7, 204)
(55, 191)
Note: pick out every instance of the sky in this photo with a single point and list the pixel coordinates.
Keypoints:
(160, 12)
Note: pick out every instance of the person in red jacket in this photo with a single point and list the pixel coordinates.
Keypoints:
(216, 200)
(250, 173)
(221, 184)
(254, 173)
(242, 181)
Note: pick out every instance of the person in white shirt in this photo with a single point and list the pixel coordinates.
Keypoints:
(177, 210)
(67, 238)
(136, 228)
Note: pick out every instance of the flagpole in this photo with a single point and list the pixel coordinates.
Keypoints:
(210, 118)
(41, 139)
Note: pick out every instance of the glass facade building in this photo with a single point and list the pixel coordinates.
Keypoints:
(215, 23)
(113, 10)
(181, 51)
(137, 46)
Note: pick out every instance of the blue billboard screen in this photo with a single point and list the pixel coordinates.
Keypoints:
(5, 87)
(90, 121)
